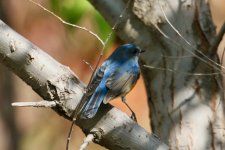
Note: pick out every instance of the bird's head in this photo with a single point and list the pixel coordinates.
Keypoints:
(132, 49)
(128, 51)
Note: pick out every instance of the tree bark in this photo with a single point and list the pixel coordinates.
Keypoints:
(182, 74)
(55, 82)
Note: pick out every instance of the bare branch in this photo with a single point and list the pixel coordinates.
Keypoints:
(181, 72)
(50, 104)
(206, 59)
(89, 65)
(69, 134)
(87, 140)
(67, 23)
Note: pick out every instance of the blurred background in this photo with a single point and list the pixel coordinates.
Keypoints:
(39, 128)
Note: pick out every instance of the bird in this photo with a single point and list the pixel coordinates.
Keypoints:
(116, 77)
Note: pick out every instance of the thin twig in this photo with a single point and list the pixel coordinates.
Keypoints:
(87, 63)
(35, 104)
(203, 60)
(87, 140)
(177, 57)
(67, 23)
(214, 64)
(186, 73)
(69, 135)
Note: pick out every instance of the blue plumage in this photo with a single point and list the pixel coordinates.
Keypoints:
(117, 75)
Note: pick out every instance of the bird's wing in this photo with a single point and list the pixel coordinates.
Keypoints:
(94, 103)
(89, 105)
(121, 82)
(97, 78)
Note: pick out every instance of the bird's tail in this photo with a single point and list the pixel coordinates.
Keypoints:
(93, 103)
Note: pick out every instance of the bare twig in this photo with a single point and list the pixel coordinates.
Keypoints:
(67, 23)
(181, 72)
(87, 140)
(35, 104)
(177, 57)
(212, 64)
(69, 135)
(89, 65)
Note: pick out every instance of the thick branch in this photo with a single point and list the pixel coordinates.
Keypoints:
(55, 82)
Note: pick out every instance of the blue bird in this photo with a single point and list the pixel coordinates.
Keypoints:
(115, 78)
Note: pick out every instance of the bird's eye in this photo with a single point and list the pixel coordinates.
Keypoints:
(136, 51)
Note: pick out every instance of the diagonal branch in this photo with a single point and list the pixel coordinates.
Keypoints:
(56, 82)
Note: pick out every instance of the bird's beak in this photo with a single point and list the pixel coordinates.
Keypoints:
(142, 51)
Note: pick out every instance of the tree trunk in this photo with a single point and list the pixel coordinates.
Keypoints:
(182, 74)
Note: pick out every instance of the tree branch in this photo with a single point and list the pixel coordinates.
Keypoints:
(50, 104)
(55, 82)
(87, 140)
